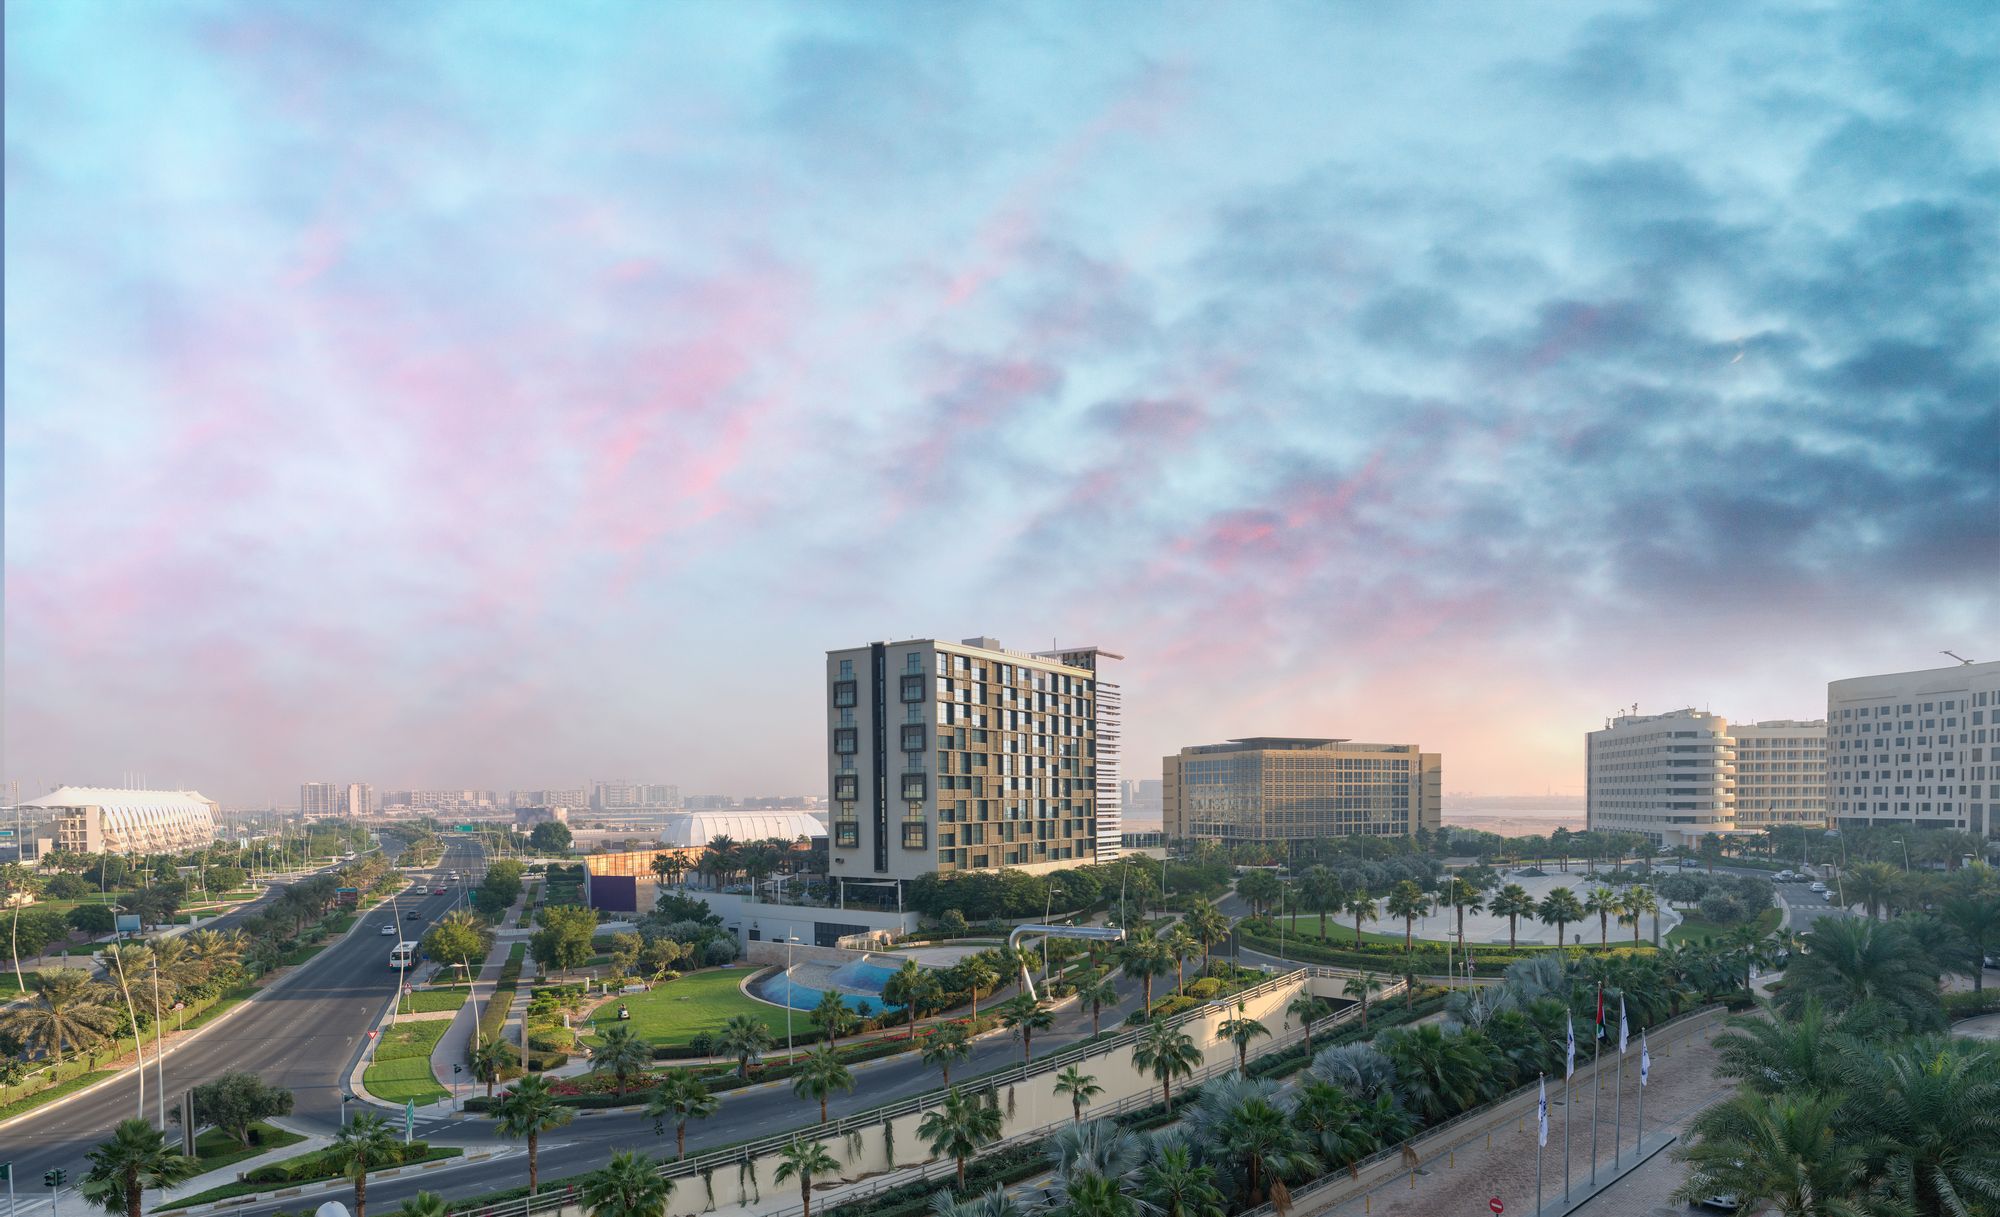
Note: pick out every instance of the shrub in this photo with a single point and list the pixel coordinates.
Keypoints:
(1208, 988)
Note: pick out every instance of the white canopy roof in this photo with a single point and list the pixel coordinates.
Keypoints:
(697, 828)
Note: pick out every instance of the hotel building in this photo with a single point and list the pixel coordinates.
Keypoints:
(1679, 776)
(1271, 788)
(98, 820)
(959, 756)
(1916, 748)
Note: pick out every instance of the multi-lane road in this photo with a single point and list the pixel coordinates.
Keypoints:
(302, 1034)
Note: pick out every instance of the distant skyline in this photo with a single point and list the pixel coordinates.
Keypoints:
(495, 397)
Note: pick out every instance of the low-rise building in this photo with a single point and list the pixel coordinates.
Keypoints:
(1283, 788)
(103, 820)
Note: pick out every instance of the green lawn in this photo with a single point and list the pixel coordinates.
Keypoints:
(675, 1012)
(1694, 929)
(308, 1165)
(430, 1001)
(402, 1064)
(217, 1149)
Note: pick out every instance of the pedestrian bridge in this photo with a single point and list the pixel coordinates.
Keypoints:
(1089, 933)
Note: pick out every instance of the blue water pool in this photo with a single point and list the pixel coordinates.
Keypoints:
(859, 984)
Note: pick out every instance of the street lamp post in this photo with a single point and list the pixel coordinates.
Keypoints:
(1906, 854)
(790, 938)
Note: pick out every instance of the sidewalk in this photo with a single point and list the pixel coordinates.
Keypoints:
(156, 1199)
(451, 1047)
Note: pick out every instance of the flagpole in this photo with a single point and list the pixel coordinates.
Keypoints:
(1596, 1084)
(1541, 1138)
(1569, 1068)
(1645, 1065)
(1618, 1088)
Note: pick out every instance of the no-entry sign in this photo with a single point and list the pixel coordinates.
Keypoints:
(1495, 1205)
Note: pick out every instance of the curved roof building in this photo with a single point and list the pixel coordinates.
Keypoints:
(101, 820)
(695, 829)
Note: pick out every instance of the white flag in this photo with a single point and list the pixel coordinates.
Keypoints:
(1624, 1033)
(1542, 1114)
(1569, 1069)
(1645, 1059)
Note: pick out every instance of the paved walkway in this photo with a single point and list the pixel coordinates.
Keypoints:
(1985, 1027)
(452, 1045)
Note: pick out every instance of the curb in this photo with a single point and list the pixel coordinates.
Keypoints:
(331, 1185)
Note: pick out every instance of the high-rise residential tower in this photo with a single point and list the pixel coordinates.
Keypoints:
(960, 756)
(1685, 774)
(1916, 748)
(320, 799)
(358, 799)
(1279, 788)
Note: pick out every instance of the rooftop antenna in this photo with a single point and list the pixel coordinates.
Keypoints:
(1960, 658)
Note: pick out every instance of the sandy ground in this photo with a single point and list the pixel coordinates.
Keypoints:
(1682, 1084)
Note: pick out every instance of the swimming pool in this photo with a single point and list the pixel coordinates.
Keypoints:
(859, 983)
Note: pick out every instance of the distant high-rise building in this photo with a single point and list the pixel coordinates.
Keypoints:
(319, 799)
(957, 756)
(709, 802)
(614, 796)
(659, 795)
(1280, 789)
(1916, 748)
(358, 799)
(574, 798)
(1680, 776)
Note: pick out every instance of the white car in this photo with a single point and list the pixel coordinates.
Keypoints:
(1817, 886)
(1785, 876)
(388, 931)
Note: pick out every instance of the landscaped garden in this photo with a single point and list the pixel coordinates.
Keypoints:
(674, 1013)
(401, 1069)
(434, 1000)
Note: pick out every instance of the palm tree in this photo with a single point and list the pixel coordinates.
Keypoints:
(1462, 895)
(1081, 1088)
(1850, 963)
(528, 1110)
(1786, 1149)
(1640, 901)
(833, 1016)
(424, 1204)
(1145, 957)
(802, 1160)
(1167, 1052)
(1512, 902)
(1560, 908)
(1776, 1055)
(1240, 1030)
(1209, 925)
(1602, 902)
(744, 1038)
(630, 1185)
(681, 1096)
(624, 1054)
(367, 1142)
(1025, 1016)
(1933, 1105)
(1261, 1135)
(960, 1127)
(1358, 988)
(993, 1202)
(978, 974)
(1871, 884)
(1180, 944)
(1304, 1007)
(663, 867)
(1179, 1187)
(949, 1045)
(1322, 893)
(488, 1059)
(820, 1075)
(136, 1157)
(68, 1009)
(909, 986)
(1436, 1074)
(1408, 901)
(1977, 919)
(1096, 990)
(1361, 907)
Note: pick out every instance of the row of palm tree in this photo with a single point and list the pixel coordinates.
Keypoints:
(1408, 901)
(68, 1010)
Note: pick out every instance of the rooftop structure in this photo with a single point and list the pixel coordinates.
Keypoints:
(99, 820)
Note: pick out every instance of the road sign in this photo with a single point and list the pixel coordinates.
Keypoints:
(1495, 1205)
(371, 1035)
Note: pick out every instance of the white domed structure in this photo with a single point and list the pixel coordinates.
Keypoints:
(695, 829)
(332, 1208)
(97, 820)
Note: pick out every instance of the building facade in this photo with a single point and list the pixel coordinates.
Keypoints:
(572, 798)
(358, 799)
(1916, 748)
(955, 756)
(99, 820)
(1279, 788)
(1677, 777)
(318, 800)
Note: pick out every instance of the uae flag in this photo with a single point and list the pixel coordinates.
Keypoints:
(1600, 1012)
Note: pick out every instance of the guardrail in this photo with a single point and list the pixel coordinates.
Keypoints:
(843, 1126)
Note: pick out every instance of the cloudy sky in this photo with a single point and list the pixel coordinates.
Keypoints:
(513, 394)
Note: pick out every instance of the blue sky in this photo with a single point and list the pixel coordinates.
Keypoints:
(510, 394)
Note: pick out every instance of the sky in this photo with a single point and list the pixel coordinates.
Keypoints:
(513, 394)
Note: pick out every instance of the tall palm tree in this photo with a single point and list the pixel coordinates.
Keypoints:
(1976, 917)
(1639, 901)
(1462, 895)
(1240, 1031)
(978, 975)
(820, 1075)
(1304, 1007)
(1025, 1016)
(1096, 990)
(1777, 1055)
(528, 1110)
(949, 1045)
(1512, 902)
(802, 1160)
(630, 1185)
(1166, 1052)
(1408, 901)
(1358, 988)
(1322, 893)
(1361, 907)
(624, 1054)
(67, 1010)
(1849, 963)
(909, 986)
(1081, 1088)
(1209, 925)
(833, 1016)
(1785, 1149)
(960, 1127)
(744, 1038)
(424, 1204)
(681, 1096)
(1181, 943)
(1871, 885)
(1178, 1186)
(1145, 957)
(488, 1059)
(367, 1142)
(1601, 902)
(1561, 909)
(136, 1157)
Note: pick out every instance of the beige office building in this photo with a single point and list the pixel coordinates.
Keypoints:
(1274, 788)
(958, 756)
(1680, 776)
(1916, 748)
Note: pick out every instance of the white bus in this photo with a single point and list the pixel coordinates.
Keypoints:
(403, 955)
